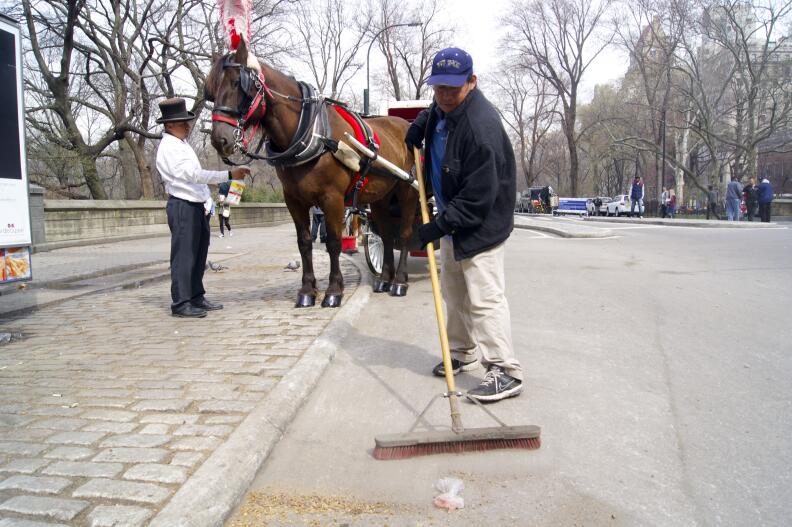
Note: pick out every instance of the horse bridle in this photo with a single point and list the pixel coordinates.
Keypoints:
(240, 117)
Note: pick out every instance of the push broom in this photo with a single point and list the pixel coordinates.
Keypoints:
(458, 439)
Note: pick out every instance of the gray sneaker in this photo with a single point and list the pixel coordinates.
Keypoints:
(497, 385)
(456, 367)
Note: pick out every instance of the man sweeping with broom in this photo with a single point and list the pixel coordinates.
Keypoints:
(472, 173)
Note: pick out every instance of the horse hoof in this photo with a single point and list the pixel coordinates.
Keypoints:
(380, 286)
(304, 300)
(332, 300)
(398, 290)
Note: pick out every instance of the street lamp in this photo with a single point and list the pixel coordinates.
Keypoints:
(368, 54)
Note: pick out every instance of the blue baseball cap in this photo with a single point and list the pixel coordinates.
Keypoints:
(451, 67)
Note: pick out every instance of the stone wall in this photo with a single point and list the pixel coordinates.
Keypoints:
(36, 203)
(782, 207)
(70, 223)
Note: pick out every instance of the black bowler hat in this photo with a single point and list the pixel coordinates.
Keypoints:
(174, 110)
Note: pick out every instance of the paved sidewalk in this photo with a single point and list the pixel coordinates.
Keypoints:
(112, 412)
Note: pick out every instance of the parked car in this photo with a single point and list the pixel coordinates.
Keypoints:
(620, 205)
(592, 208)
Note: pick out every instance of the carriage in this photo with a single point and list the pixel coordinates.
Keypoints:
(373, 246)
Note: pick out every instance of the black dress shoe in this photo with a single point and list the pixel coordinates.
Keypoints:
(187, 310)
(203, 303)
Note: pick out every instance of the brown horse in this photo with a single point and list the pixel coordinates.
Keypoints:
(246, 99)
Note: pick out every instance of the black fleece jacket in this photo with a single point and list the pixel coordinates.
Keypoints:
(478, 174)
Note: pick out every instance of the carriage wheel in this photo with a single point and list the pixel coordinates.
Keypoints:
(375, 252)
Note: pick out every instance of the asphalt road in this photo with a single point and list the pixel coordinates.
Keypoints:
(657, 364)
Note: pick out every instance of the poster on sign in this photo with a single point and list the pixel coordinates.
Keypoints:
(15, 232)
(15, 264)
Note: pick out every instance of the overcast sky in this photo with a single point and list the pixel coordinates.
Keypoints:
(480, 26)
(480, 30)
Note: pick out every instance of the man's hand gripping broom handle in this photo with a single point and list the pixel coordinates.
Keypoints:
(456, 419)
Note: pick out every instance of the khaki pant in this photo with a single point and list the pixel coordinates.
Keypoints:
(477, 313)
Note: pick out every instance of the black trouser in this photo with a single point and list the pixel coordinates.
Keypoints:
(223, 220)
(189, 228)
(764, 211)
(712, 208)
(750, 210)
(318, 226)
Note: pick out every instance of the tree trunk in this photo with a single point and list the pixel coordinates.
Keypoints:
(569, 132)
(129, 172)
(92, 178)
(144, 168)
(680, 147)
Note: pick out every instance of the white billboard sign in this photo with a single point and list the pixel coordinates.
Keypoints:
(15, 233)
(14, 213)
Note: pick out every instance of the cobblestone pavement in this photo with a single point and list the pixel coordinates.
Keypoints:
(108, 404)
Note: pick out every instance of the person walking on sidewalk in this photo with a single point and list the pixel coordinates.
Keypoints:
(750, 194)
(472, 174)
(765, 198)
(672, 203)
(636, 195)
(186, 184)
(664, 203)
(733, 197)
(223, 208)
(712, 202)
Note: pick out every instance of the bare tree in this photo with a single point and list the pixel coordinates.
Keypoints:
(408, 51)
(327, 42)
(555, 40)
(528, 108)
(731, 89)
(650, 31)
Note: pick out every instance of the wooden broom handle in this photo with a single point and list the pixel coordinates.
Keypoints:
(456, 419)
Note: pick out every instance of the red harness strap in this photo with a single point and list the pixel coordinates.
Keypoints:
(259, 104)
(362, 137)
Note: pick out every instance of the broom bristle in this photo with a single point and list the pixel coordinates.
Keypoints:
(454, 447)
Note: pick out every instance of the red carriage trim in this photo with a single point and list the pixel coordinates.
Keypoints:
(355, 123)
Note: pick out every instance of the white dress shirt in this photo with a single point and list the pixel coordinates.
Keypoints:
(181, 171)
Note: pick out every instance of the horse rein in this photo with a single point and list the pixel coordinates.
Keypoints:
(243, 117)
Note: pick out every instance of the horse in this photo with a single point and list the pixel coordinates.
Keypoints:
(249, 94)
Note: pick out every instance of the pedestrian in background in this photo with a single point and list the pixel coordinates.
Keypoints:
(224, 208)
(672, 202)
(664, 203)
(750, 194)
(712, 202)
(733, 197)
(472, 173)
(318, 225)
(186, 184)
(765, 198)
(636, 195)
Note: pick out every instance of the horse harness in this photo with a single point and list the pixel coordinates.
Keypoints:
(312, 137)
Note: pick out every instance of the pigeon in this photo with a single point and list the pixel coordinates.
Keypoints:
(292, 266)
(215, 267)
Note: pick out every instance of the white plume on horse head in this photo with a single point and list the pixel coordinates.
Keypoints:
(235, 17)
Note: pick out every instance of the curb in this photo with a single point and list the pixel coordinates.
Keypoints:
(210, 495)
(599, 233)
(682, 222)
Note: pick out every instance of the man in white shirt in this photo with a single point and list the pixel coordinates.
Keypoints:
(185, 182)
